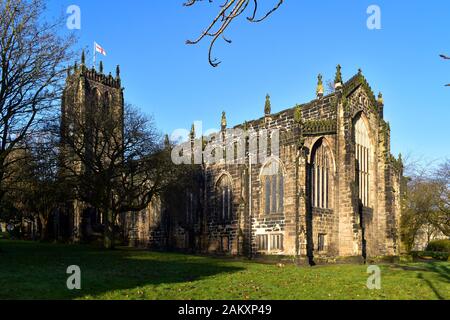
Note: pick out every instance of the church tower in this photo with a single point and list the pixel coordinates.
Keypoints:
(89, 94)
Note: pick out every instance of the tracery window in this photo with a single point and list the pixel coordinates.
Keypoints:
(362, 143)
(224, 196)
(321, 176)
(97, 98)
(273, 185)
(107, 101)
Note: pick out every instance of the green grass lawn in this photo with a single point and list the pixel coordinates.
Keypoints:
(38, 271)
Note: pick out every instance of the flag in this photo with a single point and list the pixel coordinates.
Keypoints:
(99, 49)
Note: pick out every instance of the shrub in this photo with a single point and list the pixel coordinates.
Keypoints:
(439, 246)
(406, 258)
(430, 255)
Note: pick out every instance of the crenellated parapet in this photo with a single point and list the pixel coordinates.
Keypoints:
(82, 71)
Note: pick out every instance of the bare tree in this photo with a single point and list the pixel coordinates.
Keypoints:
(330, 86)
(426, 209)
(32, 59)
(229, 11)
(115, 164)
(38, 190)
(419, 207)
(442, 179)
(445, 57)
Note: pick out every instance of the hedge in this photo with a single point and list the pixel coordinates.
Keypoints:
(428, 255)
(439, 246)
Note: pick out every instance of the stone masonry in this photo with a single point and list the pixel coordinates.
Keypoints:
(336, 192)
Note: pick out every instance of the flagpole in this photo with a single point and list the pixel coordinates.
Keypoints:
(95, 53)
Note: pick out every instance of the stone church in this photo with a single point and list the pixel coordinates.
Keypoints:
(336, 190)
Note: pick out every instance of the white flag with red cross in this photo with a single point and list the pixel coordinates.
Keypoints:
(99, 49)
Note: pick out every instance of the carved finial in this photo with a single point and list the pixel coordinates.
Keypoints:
(298, 114)
(192, 134)
(118, 71)
(101, 67)
(319, 90)
(360, 72)
(380, 99)
(380, 104)
(166, 141)
(224, 121)
(268, 106)
(338, 78)
(83, 58)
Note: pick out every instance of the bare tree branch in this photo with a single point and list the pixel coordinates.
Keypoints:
(229, 11)
(111, 171)
(32, 66)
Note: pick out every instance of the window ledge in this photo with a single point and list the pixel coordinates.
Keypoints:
(273, 214)
(322, 211)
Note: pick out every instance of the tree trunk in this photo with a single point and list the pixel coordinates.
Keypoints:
(108, 237)
(44, 228)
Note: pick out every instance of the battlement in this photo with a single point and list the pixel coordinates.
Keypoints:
(75, 72)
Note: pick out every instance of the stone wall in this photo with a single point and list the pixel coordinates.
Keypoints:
(346, 228)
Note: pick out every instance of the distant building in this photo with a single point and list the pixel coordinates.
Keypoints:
(426, 234)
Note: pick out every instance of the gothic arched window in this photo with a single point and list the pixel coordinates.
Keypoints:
(362, 144)
(321, 176)
(107, 101)
(273, 185)
(97, 99)
(224, 196)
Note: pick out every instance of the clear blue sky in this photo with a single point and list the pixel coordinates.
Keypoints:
(281, 56)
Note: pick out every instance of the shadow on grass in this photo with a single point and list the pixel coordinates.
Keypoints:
(440, 270)
(38, 271)
(443, 272)
(432, 287)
